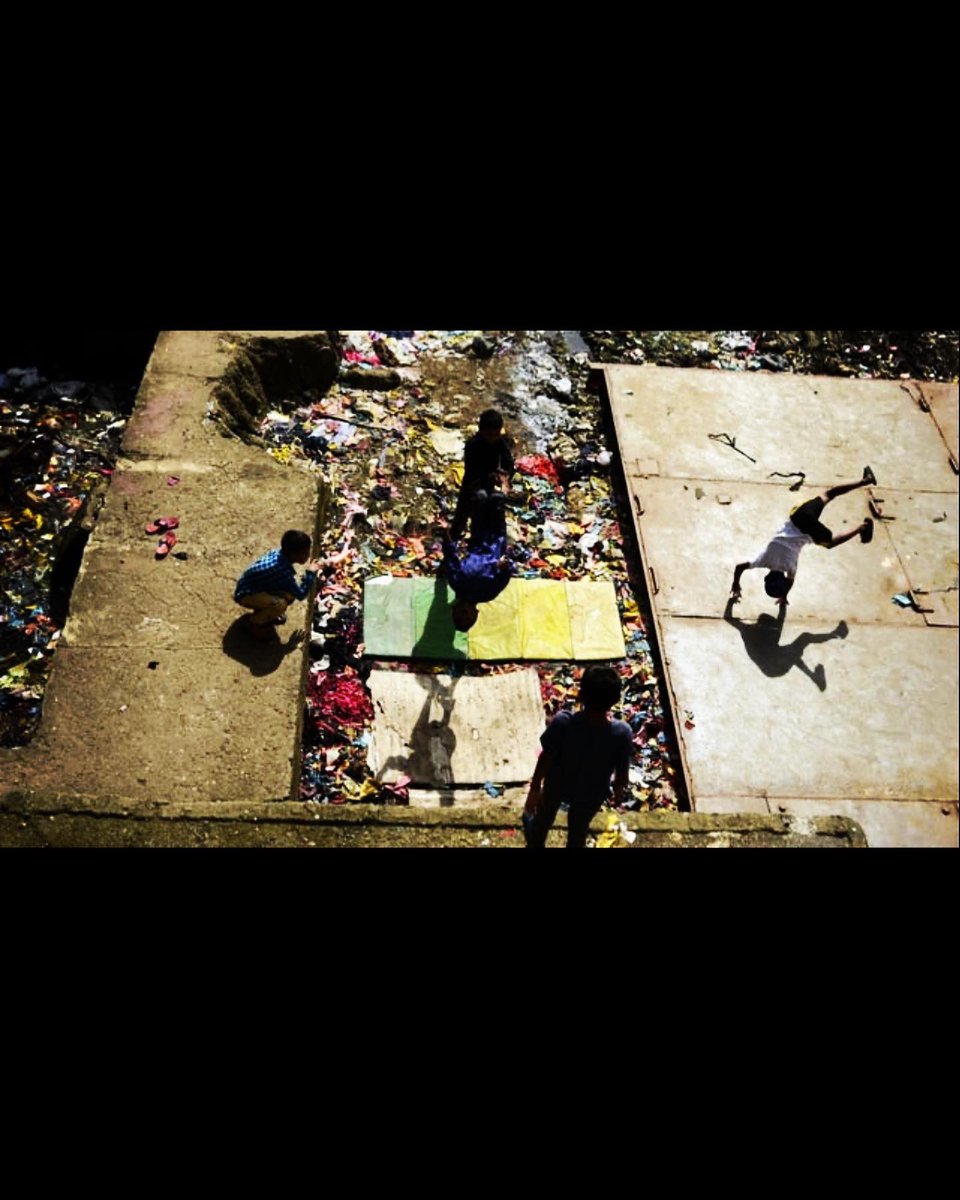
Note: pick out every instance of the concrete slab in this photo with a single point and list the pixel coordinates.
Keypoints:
(943, 400)
(468, 730)
(691, 543)
(170, 419)
(853, 701)
(910, 824)
(829, 428)
(56, 820)
(241, 748)
(925, 532)
(817, 714)
(732, 804)
(201, 353)
(125, 596)
(156, 695)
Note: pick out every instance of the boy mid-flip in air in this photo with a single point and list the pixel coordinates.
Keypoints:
(802, 527)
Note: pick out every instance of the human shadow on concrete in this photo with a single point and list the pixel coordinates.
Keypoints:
(431, 741)
(262, 658)
(762, 643)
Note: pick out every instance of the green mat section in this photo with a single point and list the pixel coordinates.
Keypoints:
(550, 619)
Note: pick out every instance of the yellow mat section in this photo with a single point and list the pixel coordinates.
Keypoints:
(551, 619)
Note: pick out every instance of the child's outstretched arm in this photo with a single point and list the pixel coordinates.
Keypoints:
(738, 570)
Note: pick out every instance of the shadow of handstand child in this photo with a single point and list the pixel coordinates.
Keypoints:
(762, 643)
(432, 741)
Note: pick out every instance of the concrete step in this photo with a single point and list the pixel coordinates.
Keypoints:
(50, 819)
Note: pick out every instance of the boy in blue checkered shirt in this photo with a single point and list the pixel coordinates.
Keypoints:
(269, 586)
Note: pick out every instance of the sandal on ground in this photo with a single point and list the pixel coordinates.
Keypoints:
(868, 475)
(162, 524)
(166, 544)
(866, 534)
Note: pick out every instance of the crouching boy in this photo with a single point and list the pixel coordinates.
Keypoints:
(269, 586)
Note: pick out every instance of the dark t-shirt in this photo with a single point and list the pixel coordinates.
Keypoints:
(586, 755)
(480, 460)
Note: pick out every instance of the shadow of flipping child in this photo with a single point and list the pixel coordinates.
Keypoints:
(432, 741)
(762, 643)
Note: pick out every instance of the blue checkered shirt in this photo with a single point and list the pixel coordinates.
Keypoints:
(273, 573)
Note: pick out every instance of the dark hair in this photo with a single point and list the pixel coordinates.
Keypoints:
(776, 584)
(490, 419)
(294, 541)
(464, 615)
(600, 687)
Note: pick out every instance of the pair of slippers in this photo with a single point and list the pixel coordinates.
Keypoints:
(164, 526)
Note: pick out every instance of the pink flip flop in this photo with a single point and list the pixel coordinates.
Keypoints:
(161, 524)
(166, 544)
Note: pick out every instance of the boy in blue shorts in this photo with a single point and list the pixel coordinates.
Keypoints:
(581, 751)
(802, 528)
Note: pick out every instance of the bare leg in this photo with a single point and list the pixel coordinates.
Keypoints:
(840, 489)
(839, 538)
(818, 675)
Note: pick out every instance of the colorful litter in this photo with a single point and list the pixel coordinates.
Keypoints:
(393, 460)
(58, 442)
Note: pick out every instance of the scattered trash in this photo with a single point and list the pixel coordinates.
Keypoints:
(59, 440)
(394, 478)
(912, 354)
(726, 440)
(906, 601)
(800, 476)
(616, 834)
